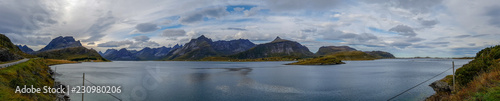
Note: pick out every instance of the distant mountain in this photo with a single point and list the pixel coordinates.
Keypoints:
(9, 51)
(122, 54)
(324, 50)
(380, 54)
(152, 53)
(25, 49)
(72, 53)
(144, 54)
(349, 53)
(69, 49)
(61, 42)
(277, 48)
(202, 47)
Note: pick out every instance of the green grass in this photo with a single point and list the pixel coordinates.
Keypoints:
(352, 55)
(328, 60)
(72, 54)
(33, 72)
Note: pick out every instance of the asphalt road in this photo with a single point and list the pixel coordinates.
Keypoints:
(13, 63)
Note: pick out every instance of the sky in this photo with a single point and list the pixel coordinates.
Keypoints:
(405, 28)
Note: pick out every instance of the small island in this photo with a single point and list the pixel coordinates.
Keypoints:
(329, 60)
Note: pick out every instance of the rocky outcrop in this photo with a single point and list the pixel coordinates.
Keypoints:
(9, 51)
(380, 54)
(60, 43)
(277, 48)
(325, 50)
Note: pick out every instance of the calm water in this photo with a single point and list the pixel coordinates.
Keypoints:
(179, 80)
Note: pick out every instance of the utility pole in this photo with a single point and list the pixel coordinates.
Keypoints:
(453, 66)
(83, 84)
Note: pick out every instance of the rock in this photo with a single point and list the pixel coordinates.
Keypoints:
(60, 43)
(440, 86)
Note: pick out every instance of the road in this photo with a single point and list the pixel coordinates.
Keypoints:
(13, 63)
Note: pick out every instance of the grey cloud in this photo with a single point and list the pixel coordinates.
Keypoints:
(401, 44)
(102, 24)
(146, 27)
(252, 11)
(421, 46)
(403, 30)
(308, 30)
(494, 14)
(441, 42)
(173, 33)
(293, 5)
(415, 6)
(414, 39)
(471, 44)
(462, 36)
(141, 38)
(115, 43)
(91, 43)
(466, 36)
(238, 9)
(24, 17)
(138, 45)
(234, 28)
(339, 35)
(428, 23)
(28, 40)
(198, 16)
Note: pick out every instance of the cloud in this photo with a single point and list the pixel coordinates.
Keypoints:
(198, 16)
(401, 44)
(294, 5)
(173, 33)
(146, 27)
(234, 28)
(428, 23)
(141, 38)
(138, 45)
(494, 15)
(91, 43)
(102, 24)
(28, 40)
(115, 43)
(238, 9)
(253, 11)
(24, 17)
(404, 30)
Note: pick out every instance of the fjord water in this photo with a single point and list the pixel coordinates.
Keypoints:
(191, 80)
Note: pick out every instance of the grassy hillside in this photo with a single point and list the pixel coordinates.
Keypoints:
(352, 55)
(33, 72)
(328, 60)
(72, 54)
(9, 51)
(477, 80)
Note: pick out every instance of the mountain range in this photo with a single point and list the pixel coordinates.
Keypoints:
(196, 49)
(202, 47)
(277, 48)
(144, 54)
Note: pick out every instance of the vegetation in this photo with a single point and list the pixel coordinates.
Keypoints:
(284, 58)
(9, 51)
(477, 80)
(33, 72)
(73, 54)
(328, 60)
(352, 55)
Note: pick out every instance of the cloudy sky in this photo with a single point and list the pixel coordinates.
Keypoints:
(406, 28)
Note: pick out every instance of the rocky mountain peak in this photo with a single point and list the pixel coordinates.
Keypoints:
(62, 42)
(278, 39)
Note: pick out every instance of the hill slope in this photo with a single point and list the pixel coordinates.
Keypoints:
(202, 47)
(9, 51)
(277, 48)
